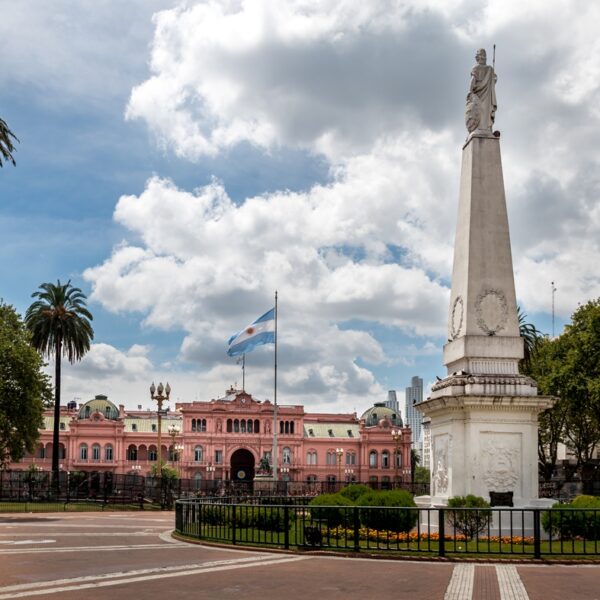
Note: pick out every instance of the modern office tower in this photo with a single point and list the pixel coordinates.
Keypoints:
(392, 401)
(412, 417)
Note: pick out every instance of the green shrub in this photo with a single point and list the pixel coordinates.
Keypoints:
(265, 518)
(354, 491)
(469, 522)
(391, 518)
(214, 514)
(325, 508)
(566, 522)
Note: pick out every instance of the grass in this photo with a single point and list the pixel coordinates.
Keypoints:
(83, 506)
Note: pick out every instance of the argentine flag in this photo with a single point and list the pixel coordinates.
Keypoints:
(262, 331)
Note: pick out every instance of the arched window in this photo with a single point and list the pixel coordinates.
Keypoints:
(350, 458)
(385, 459)
(398, 458)
(96, 452)
(373, 459)
(132, 453)
(107, 412)
(62, 451)
(152, 453)
(249, 425)
(83, 451)
(203, 425)
(311, 457)
(108, 452)
(193, 424)
(87, 412)
(229, 426)
(331, 457)
(287, 426)
(311, 479)
(41, 452)
(256, 426)
(198, 453)
(197, 480)
(236, 426)
(243, 425)
(287, 456)
(281, 426)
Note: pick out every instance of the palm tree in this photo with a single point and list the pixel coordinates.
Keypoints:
(59, 323)
(530, 335)
(6, 143)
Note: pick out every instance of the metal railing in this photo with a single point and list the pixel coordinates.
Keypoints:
(515, 532)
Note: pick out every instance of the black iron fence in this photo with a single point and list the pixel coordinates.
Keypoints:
(110, 488)
(527, 533)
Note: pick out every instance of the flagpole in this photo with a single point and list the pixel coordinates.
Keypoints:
(244, 372)
(275, 472)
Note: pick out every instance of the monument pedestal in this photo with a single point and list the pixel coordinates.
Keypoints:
(264, 485)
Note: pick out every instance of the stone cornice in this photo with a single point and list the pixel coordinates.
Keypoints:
(494, 403)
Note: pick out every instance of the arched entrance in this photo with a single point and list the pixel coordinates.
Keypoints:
(242, 465)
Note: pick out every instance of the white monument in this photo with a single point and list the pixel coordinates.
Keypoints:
(484, 427)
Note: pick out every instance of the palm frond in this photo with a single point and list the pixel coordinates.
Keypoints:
(6, 143)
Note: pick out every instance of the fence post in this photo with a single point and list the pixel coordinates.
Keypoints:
(537, 546)
(233, 523)
(356, 530)
(286, 530)
(442, 532)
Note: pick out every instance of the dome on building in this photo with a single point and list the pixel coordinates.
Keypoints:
(379, 412)
(99, 404)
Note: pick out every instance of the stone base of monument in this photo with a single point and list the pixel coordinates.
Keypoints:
(264, 484)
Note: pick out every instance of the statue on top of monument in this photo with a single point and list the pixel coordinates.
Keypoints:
(481, 99)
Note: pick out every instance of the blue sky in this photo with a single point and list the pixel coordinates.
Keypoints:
(181, 161)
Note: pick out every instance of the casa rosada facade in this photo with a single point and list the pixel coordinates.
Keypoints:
(225, 439)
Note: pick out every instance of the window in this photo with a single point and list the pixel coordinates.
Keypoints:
(292, 427)
(236, 426)
(350, 458)
(398, 459)
(152, 453)
(243, 426)
(350, 433)
(62, 426)
(256, 426)
(219, 457)
(287, 456)
(193, 424)
(107, 412)
(311, 458)
(87, 412)
(311, 479)
(385, 459)
(154, 427)
(331, 457)
(373, 459)
(330, 432)
(42, 452)
(250, 425)
(83, 452)
(311, 432)
(202, 425)
(198, 453)
(95, 452)
(229, 425)
(134, 427)
(108, 452)
(197, 481)
(62, 451)
(132, 453)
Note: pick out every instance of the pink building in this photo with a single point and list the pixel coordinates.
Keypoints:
(225, 439)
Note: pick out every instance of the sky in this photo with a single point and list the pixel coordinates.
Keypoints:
(181, 161)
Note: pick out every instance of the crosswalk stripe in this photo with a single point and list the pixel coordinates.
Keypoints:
(511, 586)
(461, 583)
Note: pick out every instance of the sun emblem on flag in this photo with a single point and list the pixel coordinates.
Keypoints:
(250, 330)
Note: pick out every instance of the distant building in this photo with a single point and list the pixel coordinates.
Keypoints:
(225, 439)
(392, 401)
(414, 395)
(426, 445)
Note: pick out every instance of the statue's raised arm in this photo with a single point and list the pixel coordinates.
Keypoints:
(481, 99)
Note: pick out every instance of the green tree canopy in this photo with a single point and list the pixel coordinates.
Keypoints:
(23, 388)
(6, 143)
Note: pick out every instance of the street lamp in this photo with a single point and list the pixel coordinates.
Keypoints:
(340, 453)
(349, 473)
(396, 436)
(156, 393)
(174, 431)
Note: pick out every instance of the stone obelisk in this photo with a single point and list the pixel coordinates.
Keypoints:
(483, 413)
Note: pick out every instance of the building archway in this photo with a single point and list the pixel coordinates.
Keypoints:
(242, 465)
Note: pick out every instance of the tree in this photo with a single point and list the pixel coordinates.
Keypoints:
(6, 143)
(59, 323)
(415, 460)
(23, 388)
(530, 334)
(569, 367)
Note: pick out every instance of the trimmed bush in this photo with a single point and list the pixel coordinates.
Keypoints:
(217, 514)
(354, 491)
(566, 522)
(469, 522)
(324, 508)
(392, 518)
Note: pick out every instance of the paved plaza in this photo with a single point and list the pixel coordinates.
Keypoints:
(132, 555)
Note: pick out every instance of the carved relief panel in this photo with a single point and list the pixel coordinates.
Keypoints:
(501, 462)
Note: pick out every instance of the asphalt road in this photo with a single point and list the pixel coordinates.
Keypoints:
(131, 556)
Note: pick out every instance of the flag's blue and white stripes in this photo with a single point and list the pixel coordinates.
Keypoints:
(262, 331)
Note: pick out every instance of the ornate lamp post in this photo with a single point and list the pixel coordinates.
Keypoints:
(156, 393)
(396, 436)
(340, 453)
